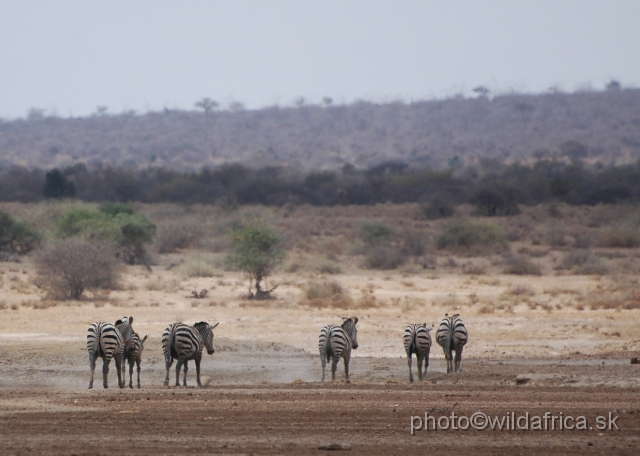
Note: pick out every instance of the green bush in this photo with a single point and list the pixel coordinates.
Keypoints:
(115, 223)
(375, 233)
(16, 237)
(257, 250)
(467, 234)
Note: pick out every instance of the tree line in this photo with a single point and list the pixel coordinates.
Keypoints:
(495, 189)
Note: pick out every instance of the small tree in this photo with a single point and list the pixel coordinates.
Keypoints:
(257, 250)
(207, 104)
(57, 186)
(68, 268)
(16, 237)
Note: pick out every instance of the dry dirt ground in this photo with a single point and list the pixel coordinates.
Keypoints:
(263, 394)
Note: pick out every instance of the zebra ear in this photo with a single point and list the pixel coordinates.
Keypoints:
(355, 320)
(130, 320)
(213, 327)
(144, 338)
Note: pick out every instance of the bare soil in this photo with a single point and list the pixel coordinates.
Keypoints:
(534, 347)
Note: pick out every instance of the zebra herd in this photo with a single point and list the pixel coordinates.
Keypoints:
(120, 342)
(451, 336)
(184, 343)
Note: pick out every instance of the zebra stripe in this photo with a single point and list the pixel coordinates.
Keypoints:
(183, 342)
(418, 340)
(134, 356)
(105, 341)
(452, 336)
(126, 330)
(336, 342)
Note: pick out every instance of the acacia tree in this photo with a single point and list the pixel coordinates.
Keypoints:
(207, 104)
(257, 250)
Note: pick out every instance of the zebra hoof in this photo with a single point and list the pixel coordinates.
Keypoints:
(90, 386)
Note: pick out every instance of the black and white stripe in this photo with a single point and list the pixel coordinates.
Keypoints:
(336, 342)
(418, 340)
(126, 330)
(134, 356)
(452, 336)
(105, 341)
(183, 342)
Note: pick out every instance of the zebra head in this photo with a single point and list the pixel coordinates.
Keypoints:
(206, 332)
(349, 326)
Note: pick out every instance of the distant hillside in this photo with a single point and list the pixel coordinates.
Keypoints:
(592, 126)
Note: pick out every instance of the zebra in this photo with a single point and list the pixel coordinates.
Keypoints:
(184, 342)
(452, 335)
(134, 356)
(336, 342)
(105, 341)
(126, 330)
(418, 340)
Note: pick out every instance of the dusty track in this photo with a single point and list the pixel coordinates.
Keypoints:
(298, 419)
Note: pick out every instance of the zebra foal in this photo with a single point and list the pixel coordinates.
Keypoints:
(336, 342)
(418, 340)
(134, 356)
(184, 342)
(452, 336)
(105, 341)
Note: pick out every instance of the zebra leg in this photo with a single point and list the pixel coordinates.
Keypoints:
(410, 361)
(92, 365)
(426, 362)
(347, 357)
(120, 366)
(323, 358)
(105, 370)
(178, 367)
(419, 363)
(334, 366)
(138, 365)
(130, 361)
(458, 358)
(186, 368)
(198, 359)
(168, 362)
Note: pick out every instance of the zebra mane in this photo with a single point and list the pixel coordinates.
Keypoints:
(200, 324)
(118, 322)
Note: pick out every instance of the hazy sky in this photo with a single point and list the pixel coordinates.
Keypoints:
(68, 57)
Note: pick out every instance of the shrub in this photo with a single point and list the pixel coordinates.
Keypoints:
(177, 235)
(466, 234)
(495, 200)
(625, 236)
(582, 262)
(375, 233)
(326, 293)
(382, 257)
(115, 223)
(16, 237)
(199, 267)
(413, 242)
(437, 208)
(520, 265)
(257, 250)
(68, 268)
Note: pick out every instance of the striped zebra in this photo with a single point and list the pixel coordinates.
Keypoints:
(418, 340)
(452, 336)
(336, 342)
(126, 330)
(184, 342)
(105, 341)
(134, 356)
